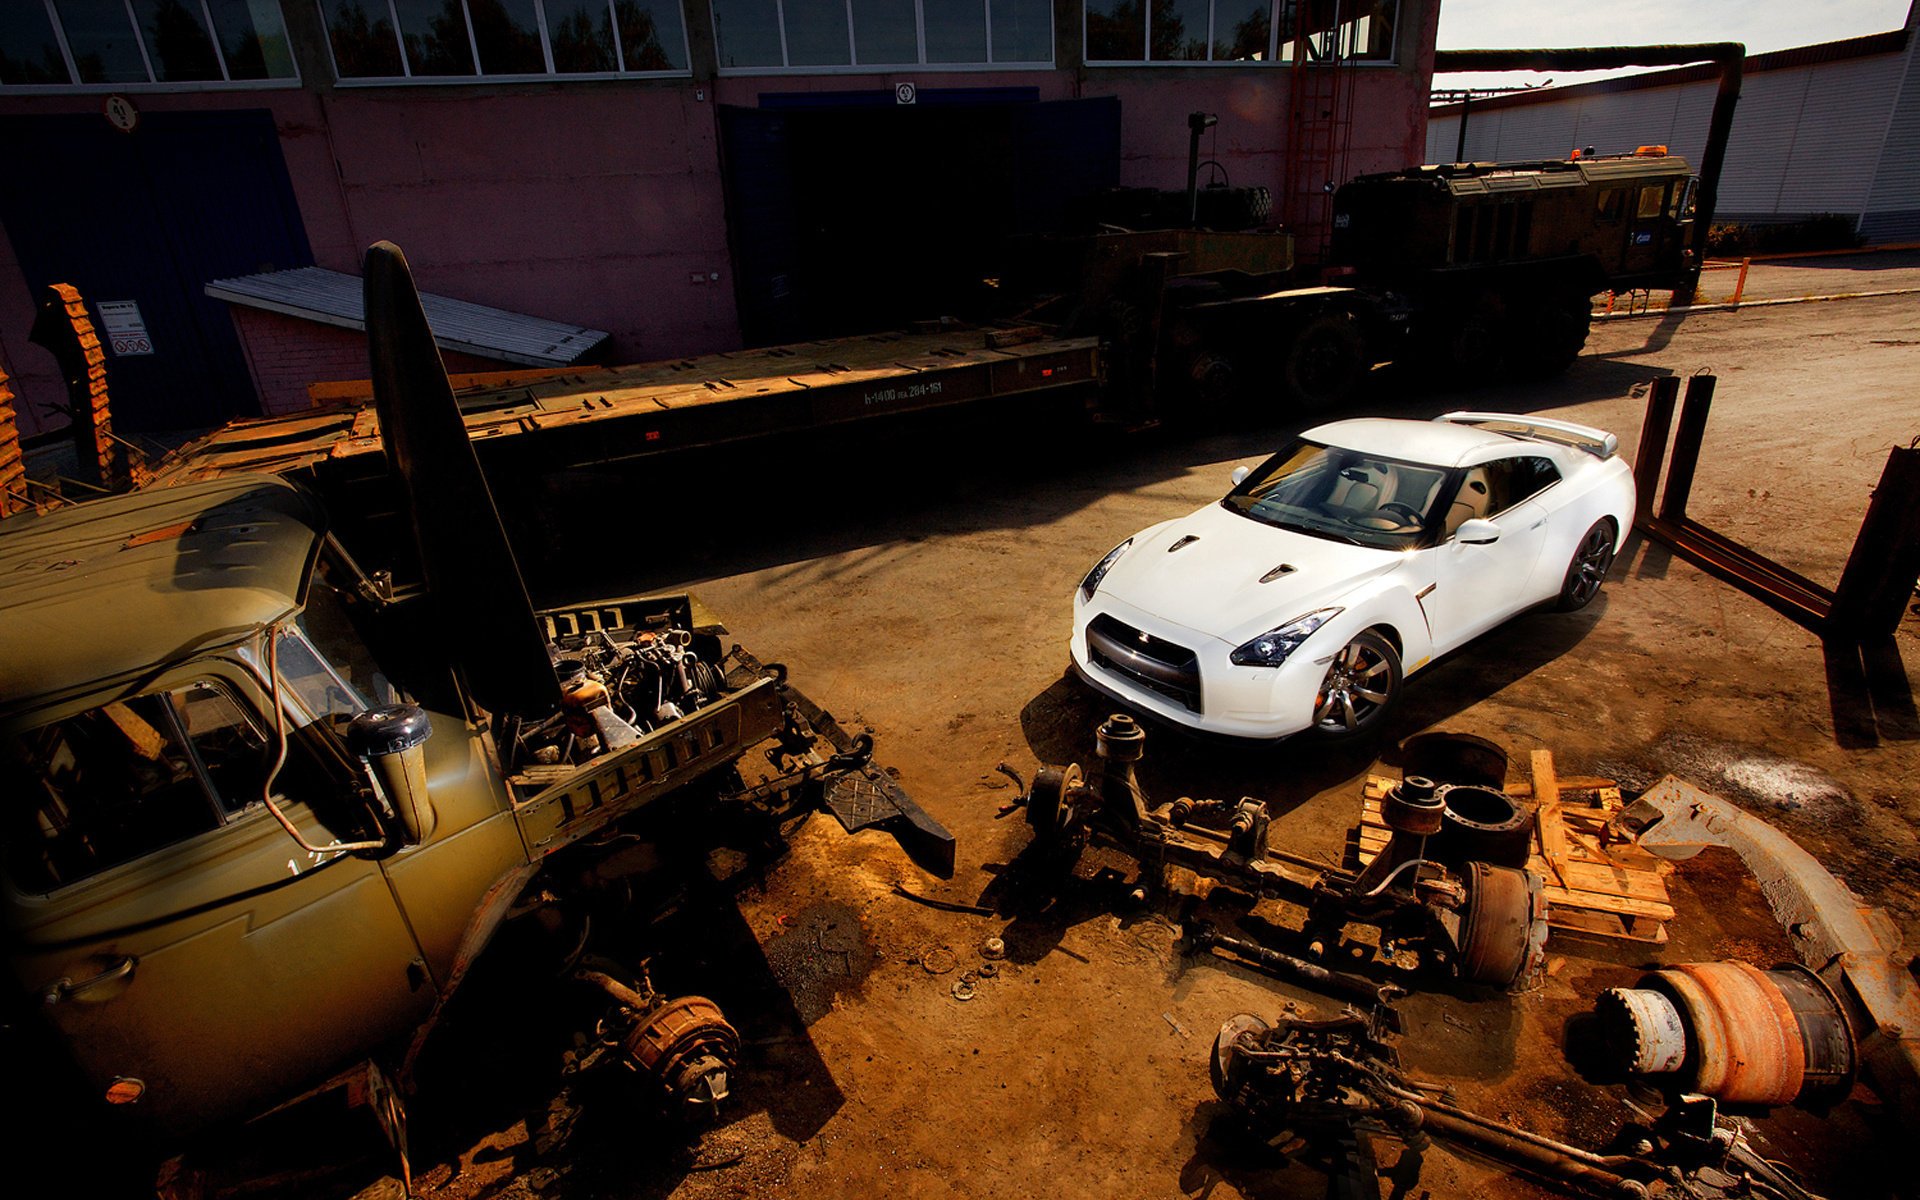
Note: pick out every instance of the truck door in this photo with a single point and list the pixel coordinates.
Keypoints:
(196, 963)
(1650, 229)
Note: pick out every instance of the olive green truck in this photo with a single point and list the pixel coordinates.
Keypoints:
(269, 795)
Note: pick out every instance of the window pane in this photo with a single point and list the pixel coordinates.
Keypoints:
(178, 43)
(1240, 29)
(1116, 31)
(102, 41)
(28, 51)
(653, 36)
(1370, 34)
(113, 784)
(1179, 29)
(362, 35)
(1022, 31)
(253, 38)
(816, 33)
(582, 35)
(884, 31)
(507, 33)
(748, 33)
(435, 32)
(956, 30)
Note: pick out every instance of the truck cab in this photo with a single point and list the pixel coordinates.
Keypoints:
(264, 807)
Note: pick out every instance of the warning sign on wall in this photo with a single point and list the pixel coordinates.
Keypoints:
(125, 328)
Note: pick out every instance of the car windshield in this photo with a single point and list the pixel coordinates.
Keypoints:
(1344, 495)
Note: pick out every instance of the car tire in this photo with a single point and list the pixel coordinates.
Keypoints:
(1341, 712)
(1592, 559)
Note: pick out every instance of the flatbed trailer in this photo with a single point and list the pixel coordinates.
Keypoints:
(551, 420)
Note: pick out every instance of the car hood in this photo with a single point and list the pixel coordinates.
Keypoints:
(1211, 584)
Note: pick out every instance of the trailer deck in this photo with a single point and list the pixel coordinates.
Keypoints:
(605, 414)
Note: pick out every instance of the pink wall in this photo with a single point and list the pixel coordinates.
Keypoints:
(602, 203)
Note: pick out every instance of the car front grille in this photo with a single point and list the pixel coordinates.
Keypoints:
(1154, 663)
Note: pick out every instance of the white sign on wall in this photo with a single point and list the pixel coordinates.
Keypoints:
(125, 328)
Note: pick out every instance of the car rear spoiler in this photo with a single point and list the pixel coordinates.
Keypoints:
(1597, 442)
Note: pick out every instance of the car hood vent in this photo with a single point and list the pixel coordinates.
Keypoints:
(1277, 572)
(1183, 543)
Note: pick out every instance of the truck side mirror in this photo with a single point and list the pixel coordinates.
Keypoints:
(1477, 532)
(389, 740)
(1239, 476)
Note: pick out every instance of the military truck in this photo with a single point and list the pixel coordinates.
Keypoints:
(271, 793)
(1496, 264)
(1452, 271)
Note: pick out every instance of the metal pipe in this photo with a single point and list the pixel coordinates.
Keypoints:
(1333, 983)
(1460, 143)
(1687, 437)
(1651, 455)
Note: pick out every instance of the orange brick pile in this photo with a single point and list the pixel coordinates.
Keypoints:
(93, 421)
(13, 462)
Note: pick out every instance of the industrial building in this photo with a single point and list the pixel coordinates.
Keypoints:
(621, 180)
(1832, 128)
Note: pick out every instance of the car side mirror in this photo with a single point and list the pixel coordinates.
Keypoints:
(1477, 532)
(1239, 475)
(389, 740)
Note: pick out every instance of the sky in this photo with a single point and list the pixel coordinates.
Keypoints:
(1762, 24)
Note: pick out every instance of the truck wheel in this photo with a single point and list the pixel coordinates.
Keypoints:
(1476, 340)
(1552, 337)
(1323, 363)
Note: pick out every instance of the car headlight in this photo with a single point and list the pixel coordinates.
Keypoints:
(1271, 648)
(1091, 583)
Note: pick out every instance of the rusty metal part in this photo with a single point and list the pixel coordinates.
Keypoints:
(1418, 904)
(689, 1048)
(1503, 937)
(1483, 824)
(1286, 966)
(1050, 805)
(1853, 947)
(1447, 757)
(1330, 1081)
(1877, 584)
(1411, 806)
(1640, 1031)
(1747, 1036)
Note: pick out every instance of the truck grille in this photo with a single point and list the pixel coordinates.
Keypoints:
(1154, 663)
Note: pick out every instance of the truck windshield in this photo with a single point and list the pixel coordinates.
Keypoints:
(1343, 495)
(324, 661)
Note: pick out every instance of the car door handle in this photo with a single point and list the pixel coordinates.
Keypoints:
(1536, 524)
(64, 988)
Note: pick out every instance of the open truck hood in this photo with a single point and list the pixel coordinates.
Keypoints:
(485, 618)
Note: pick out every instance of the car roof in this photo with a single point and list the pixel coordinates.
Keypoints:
(107, 593)
(1438, 443)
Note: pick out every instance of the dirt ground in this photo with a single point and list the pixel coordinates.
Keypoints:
(916, 580)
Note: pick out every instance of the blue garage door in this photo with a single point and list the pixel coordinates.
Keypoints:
(150, 217)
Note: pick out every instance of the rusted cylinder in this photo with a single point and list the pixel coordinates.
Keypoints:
(1411, 807)
(1447, 757)
(1746, 1036)
(1483, 824)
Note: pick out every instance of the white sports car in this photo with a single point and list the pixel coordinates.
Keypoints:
(1354, 557)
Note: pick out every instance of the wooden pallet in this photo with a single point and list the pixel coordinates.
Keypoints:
(1596, 883)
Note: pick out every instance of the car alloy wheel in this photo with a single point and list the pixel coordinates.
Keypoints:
(1362, 683)
(1588, 570)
